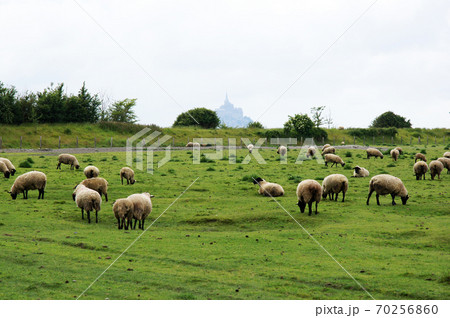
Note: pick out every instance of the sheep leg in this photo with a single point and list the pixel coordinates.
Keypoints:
(71, 167)
(58, 166)
(343, 196)
(39, 196)
(143, 223)
(336, 196)
(393, 197)
(82, 213)
(89, 216)
(326, 164)
(121, 178)
(96, 216)
(106, 197)
(368, 198)
(118, 224)
(128, 181)
(134, 227)
(310, 207)
(43, 191)
(316, 208)
(378, 199)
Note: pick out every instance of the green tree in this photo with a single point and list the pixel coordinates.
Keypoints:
(299, 125)
(7, 103)
(317, 117)
(51, 104)
(202, 117)
(122, 111)
(389, 119)
(25, 109)
(255, 124)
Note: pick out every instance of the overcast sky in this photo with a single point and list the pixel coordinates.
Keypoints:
(395, 57)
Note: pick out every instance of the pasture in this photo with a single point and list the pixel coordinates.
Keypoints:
(221, 239)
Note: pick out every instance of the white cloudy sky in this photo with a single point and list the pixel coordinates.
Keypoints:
(396, 57)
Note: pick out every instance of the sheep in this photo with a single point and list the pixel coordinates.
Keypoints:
(334, 159)
(308, 191)
(446, 162)
(342, 143)
(4, 169)
(123, 209)
(328, 150)
(192, 144)
(436, 168)
(420, 168)
(394, 154)
(142, 207)
(282, 150)
(250, 148)
(97, 184)
(373, 152)
(9, 165)
(360, 172)
(333, 184)
(33, 180)
(89, 200)
(420, 156)
(311, 152)
(384, 184)
(91, 172)
(68, 160)
(269, 189)
(447, 154)
(128, 174)
(400, 150)
(325, 146)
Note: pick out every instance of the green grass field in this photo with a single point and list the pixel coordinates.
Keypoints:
(221, 239)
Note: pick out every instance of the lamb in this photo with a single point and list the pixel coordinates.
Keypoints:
(97, 184)
(123, 209)
(328, 150)
(308, 191)
(436, 168)
(142, 206)
(4, 169)
(91, 172)
(447, 154)
(68, 160)
(400, 150)
(269, 189)
(9, 165)
(325, 146)
(282, 150)
(420, 156)
(250, 148)
(33, 180)
(128, 174)
(334, 159)
(311, 152)
(89, 200)
(394, 154)
(192, 144)
(333, 184)
(420, 168)
(373, 152)
(384, 184)
(446, 162)
(360, 172)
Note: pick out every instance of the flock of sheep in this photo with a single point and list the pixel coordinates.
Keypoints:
(310, 191)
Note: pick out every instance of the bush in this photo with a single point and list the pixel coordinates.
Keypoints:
(30, 160)
(202, 117)
(348, 154)
(255, 124)
(126, 127)
(371, 132)
(389, 119)
(25, 164)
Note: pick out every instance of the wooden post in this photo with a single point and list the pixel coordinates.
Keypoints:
(334, 141)
(392, 140)
(95, 142)
(419, 139)
(383, 139)
(20, 142)
(354, 140)
(401, 140)
(410, 141)
(323, 140)
(373, 140)
(364, 140)
(77, 141)
(1, 142)
(40, 142)
(59, 142)
(111, 141)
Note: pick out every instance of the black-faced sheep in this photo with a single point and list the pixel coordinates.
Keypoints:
(311, 152)
(420, 156)
(308, 191)
(360, 172)
(33, 180)
(250, 148)
(142, 207)
(68, 160)
(97, 184)
(373, 152)
(282, 150)
(420, 168)
(268, 189)
(325, 146)
(400, 150)
(384, 184)
(128, 174)
(334, 159)
(123, 210)
(446, 162)
(9, 164)
(436, 168)
(91, 172)
(333, 184)
(446, 154)
(394, 154)
(328, 150)
(4, 169)
(87, 200)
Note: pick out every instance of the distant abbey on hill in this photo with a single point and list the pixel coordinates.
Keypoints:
(232, 116)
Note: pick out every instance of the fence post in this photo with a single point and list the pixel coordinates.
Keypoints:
(373, 140)
(40, 142)
(20, 142)
(59, 142)
(111, 141)
(1, 142)
(344, 140)
(383, 139)
(419, 140)
(354, 140)
(334, 141)
(410, 141)
(95, 142)
(323, 140)
(77, 141)
(392, 140)
(401, 140)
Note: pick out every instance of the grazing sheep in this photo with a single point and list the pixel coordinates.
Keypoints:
(335, 159)
(436, 168)
(394, 154)
(97, 184)
(33, 180)
(325, 146)
(311, 152)
(384, 184)
(373, 152)
(142, 206)
(268, 189)
(250, 148)
(4, 169)
(360, 172)
(68, 160)
(342, 143)
(420, 168)
(128, 174)
(447, 154)
(91, 172)
(400, 150)
(192, 144)
(420, 156)
(10, 166)
(333, 184)
(282, 150)
(123, 209)
(328, 150)
(89, 200)
(308, 191)
(446, 162)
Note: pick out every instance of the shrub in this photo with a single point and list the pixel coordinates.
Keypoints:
(30, 160)
(255, 124)
(348, 154)
(25, 164)
(204, 117)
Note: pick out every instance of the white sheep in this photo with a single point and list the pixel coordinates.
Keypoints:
(142, 207)
(394, 154)
(123, 209)
(97, 184)
(446, 162)
(420, 168)
(373, 152)
(128, 174)
(334, 159)
(360, 172)
(328, 150)
(325, 146)
(311, 152)
(420, 156)
(250, 148)
(333, 184)
(9, 164)
(192, 144)
(308, 191)
(91, 172)
(384, 184)
(269, 189)
(68, 160)
(436, 168)
(282, 150)
(4, 169)
(88, 200)
(400, 150)
(446, 154)
(33, 180)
